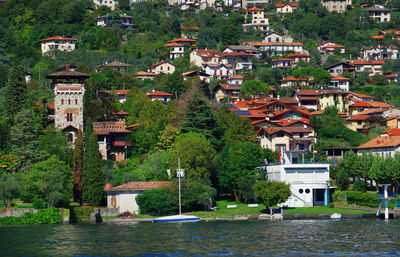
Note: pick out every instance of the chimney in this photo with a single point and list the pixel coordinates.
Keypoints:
(67, 67)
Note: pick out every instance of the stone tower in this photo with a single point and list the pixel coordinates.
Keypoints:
(69, 88)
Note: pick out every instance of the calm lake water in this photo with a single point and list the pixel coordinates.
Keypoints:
(214, 238)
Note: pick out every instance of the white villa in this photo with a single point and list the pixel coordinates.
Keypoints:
(49, 45)
(309, 183)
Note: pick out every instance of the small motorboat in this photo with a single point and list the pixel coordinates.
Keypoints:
(336, 216)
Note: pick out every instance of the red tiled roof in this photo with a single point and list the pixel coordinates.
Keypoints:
(291, 78)
(144, 73)
(283, 4)
(358, 117)
(361, 95)
(334, 46)
(173, 44)
(281, 59)
(372, 111)
(391, 76)
(298, 55)
(159, 63)
(58, 38)
(253, 9)
(116, 91)
(190, 27)
(369, 62)
(361, 104)
(236, 77)
(121, 112)
(392, 132)
(158, 93)
(140, 185)
(289, 130)
(334, 77)
(229, 87)
(381, 142)
(234, 54)
(109, 127)
(183, 40)
(377, 37)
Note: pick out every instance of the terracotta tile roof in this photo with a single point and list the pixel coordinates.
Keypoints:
(235, 54)
(384, 32)
(369, 62)
(316, 92)
(183, 40)
(254, 9)
(159, 63)
(236, 77)
(273, 44)
(173, 44)
(284, 4)
(289, 130)
(391, 76)
(139, 185)
(373, 111)
(334, 46)
(361, 104)
(361, 95)
(110, 127)
(392, 132)
(381, 105)
(291, 78)
(298, 55)
(281, 60)
(189, 72)
(58, 38)
(358, 117)
(334, 77)
(381, 142)
(158, 93)
(206, 53)
(230, 87)
(68, 73)
(379, 37)
(121, 112)
(288, 100)
(212, 65)
(144, 73)
(116, 91)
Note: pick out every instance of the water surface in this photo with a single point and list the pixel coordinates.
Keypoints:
(214, 238)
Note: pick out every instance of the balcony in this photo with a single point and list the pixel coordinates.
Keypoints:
(121, 143)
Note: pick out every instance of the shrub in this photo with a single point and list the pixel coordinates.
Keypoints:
(363, 199)
(157, 202)
(331, 205)
(360, 186)
(82, 212)
(338, 195)
(46, 216)
(39, 203)
(62, 201)
(272, 193)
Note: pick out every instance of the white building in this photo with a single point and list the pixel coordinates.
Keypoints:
(163, 67)
(338, 6)
(283, 8)
(219, 71)
(278, 48)
(126, 21)
(379, 13)
(258, 20)
(124, 196)
(309, 183)
(201, 57)
(340, 83)
(379, 53)
(238, 60)
(176, 50)
(160, 96)
(372, 67)
(49, 45)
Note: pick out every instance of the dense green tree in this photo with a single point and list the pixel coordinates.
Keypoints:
(92, 177)
(9, 188)
(254, 89)
(238, 161)
(167, 138)
(200, 119)
(15, 91)
(195, 155)
(77, 167)
(272, 193)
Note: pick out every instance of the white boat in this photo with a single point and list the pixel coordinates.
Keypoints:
(336, 216)
(177, 218)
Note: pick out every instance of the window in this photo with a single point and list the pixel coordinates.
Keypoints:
(168, 68)
(69, 101)
(62, 101)
(69, 117)
(76, 101)
(359, 122)
(70, 137)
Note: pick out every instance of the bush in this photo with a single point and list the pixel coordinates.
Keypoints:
(82, 212)
(39, 203)
(363, 199)
(272, 193)
(157, 202)
(46, 216)
(360, 186)
(338, 195)
(62, 201)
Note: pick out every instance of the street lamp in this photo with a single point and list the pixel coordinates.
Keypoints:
(180, 173)
(304, 140)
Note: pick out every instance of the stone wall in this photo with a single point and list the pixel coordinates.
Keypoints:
(17, 212)
(107, 211)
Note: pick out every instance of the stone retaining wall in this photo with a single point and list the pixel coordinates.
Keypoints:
(18, 212)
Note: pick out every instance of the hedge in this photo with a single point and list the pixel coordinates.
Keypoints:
(359, 198)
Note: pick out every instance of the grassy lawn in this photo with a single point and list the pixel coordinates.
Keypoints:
(109, 217)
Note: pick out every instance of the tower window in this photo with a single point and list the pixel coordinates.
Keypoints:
(69, 117)
(69, 101)
(62, 101)
(76, 101)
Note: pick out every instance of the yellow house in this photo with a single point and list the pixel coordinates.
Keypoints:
(358, 123)
(333, 98)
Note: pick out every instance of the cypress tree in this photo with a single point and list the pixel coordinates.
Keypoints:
(92, 179)
(78, 165)
(15, 92)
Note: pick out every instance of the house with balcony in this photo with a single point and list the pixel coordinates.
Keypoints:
(283, 8)
(299, 57)
(226, 91)
(319, 99)
(255, 18)
(51, 44)
(120, 94)
(235, 80)
(159, 96)
(371, 66)
(329, 47)
(176, 50)
(340, 67)
(277, 48)
(126, 21)
(282, 63)
(240, 49)
(198, 74)
(201, 57)
(238, 60)
(294, 82)
(142, 75)
(220, 71)
(112, 139)
(379, 13)
(379, 52)
(384, 145)
(107, 3)
(339, 83)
